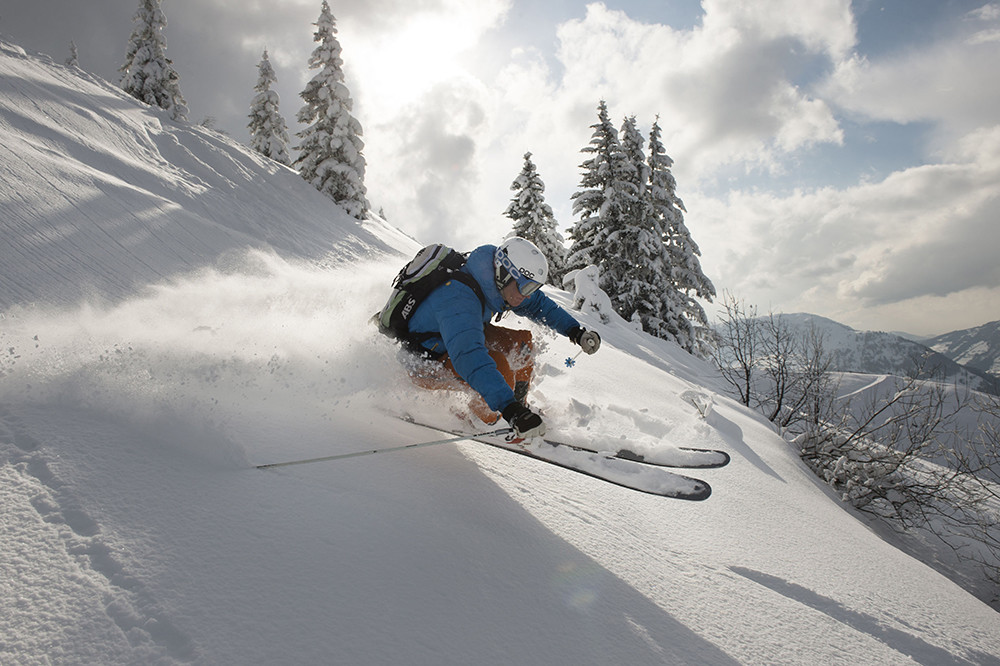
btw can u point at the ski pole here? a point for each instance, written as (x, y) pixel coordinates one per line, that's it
(570, 362)
(368, 452)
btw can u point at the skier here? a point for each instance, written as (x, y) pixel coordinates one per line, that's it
(461, 348)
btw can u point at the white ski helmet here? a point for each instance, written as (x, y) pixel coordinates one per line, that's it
(520, 260)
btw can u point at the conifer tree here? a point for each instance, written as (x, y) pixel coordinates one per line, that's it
(597, 204)
(611, 232)
(148, 75)
(268, 132)
(636, 272)
(534, 220)
(330, 157)
(632, 228)
(74, 59)
(684, 318)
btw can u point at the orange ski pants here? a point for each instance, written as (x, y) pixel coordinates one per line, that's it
(510, 349)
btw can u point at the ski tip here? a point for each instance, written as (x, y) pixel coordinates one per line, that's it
(723, 457)
(699, 493)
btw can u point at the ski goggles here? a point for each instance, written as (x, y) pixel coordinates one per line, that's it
(525, 285)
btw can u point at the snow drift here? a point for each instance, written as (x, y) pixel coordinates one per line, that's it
(176, 309)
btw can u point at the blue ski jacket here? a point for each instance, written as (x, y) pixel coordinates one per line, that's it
(455, 313)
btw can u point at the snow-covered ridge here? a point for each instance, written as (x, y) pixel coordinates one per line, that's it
(977, 347)
(228, 328)
(877, 353)
(93, 179)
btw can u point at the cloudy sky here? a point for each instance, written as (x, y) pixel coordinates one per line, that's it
(834, 157)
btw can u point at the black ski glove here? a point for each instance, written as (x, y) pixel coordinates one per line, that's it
(525, 422)
(589, 341)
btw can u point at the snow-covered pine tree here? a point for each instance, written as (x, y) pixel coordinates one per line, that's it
(330, 157)
(148, 75)
(268, 132)
(597, 205)
(534, 220)
(636, 274)
(607, 233)
(684, 317)
(74, 59)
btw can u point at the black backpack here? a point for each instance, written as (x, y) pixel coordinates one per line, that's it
(429, 269)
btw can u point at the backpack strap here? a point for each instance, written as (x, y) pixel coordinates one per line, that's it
(413, 342)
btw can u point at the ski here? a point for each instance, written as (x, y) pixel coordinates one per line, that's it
(684, 456)
(631, 474)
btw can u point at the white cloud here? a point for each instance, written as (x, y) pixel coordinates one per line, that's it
(988, 12)
(922, 240)
(722, 90)
(822, 25)
(948, 82)
(425, 162)
(985, 36)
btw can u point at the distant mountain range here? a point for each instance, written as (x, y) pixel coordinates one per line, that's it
(977, 348)
(970, 357)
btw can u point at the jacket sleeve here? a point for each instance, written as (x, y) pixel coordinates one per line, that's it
(544, 310)
(459, 315)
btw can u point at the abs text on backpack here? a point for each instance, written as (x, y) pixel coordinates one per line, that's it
(429, 269)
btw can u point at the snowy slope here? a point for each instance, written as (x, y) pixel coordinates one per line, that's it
(135, 529)
(977, 347)
(102, 196)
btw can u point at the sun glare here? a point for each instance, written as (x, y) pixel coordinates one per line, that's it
(400, 65)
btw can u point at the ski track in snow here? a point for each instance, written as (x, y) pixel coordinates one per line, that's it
(864, 389)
